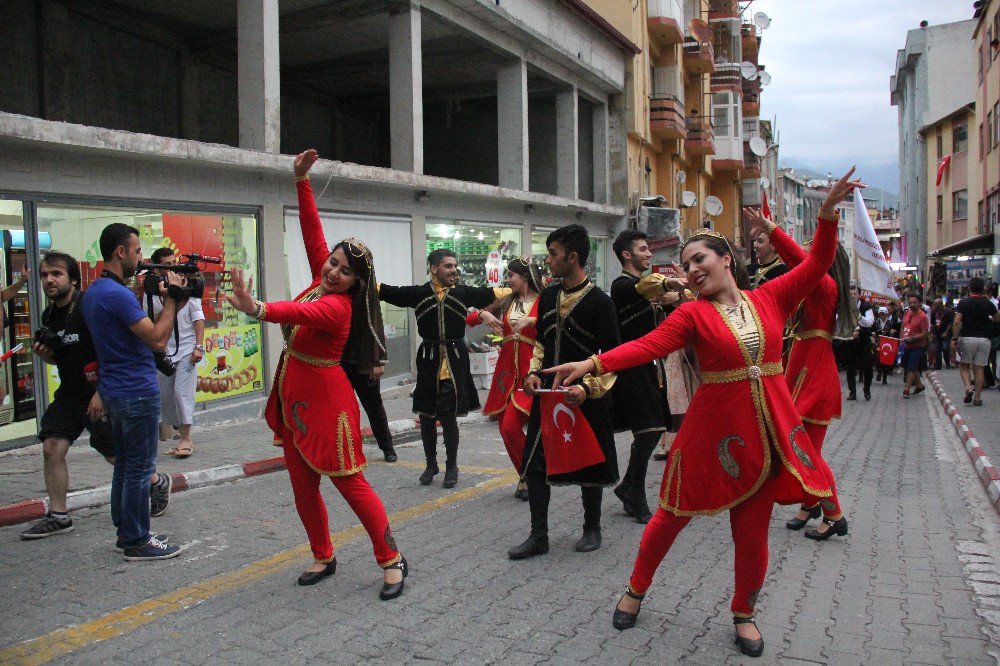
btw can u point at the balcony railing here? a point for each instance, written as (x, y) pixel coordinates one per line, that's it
(751, 103)
(699, 57)
(666, 21)
(723, 8)
(700, 138)
(666, 117)
(727, 77)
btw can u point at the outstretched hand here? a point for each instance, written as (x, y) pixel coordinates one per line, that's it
(842, 189)
(242, 296)
(755, 218)
(567, 373)
(304, 161)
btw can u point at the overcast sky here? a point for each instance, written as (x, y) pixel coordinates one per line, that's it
(830, 63)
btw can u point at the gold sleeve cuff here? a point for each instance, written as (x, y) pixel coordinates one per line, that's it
(299, 179)
(598, 386)
(832, 218)
(598, 366)
(537, 356)
(500, 293)
(651, 286)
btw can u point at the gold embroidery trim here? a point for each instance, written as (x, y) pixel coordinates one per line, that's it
(309, 359)
(799, 381)
(814, 333)
(740, 374)
(598, 366)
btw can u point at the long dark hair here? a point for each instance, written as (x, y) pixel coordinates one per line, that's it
(847, 309)
(720, 245)
(365, 346)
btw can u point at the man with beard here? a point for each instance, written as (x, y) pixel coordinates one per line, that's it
(640, 401)
(445, 388)
(76, 404)
(128, 385)
(575, 321)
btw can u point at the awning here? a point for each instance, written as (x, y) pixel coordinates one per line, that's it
(982, 244)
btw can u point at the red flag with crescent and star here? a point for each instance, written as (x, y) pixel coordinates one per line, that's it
(567, 439)
(887, 349)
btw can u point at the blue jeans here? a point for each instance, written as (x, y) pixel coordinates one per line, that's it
(134, 423)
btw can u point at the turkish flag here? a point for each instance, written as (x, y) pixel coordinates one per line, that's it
(942, 165)
(567, 439)
(765, 208)
(887, 349)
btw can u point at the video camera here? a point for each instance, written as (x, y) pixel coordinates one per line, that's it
(191, 266)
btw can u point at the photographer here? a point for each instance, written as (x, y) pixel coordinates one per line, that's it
(184, 351)
(128, 385)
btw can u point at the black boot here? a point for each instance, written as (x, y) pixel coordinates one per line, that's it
(429, 472)
(450, 476)
(389, 453)
(591, 540)
(533, 545)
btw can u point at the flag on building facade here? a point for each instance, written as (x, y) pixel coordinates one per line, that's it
(942, 166)
(874, 272)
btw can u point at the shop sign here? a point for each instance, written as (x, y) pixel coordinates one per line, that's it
(232, 363)
(494, 268)
(960, 272)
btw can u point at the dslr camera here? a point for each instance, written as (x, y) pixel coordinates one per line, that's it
(190, 267)
(48, 338)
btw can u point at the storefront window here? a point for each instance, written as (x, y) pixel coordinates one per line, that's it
(17, 381)
(472, 243)
(596, 262)
(233, 360)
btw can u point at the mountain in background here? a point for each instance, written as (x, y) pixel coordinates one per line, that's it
(882, 179)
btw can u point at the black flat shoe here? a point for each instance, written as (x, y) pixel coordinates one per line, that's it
(428, 474)
(838, 527)
(389, 453)
(313, 577)
(918, 390)
(659, 456)
(450, 476)
(852, 396)
(797, 523)
(622, 620)
(532, 546)
(393, 590)
(522, 492)
(751, 648)
(591, 540)
(868, 394)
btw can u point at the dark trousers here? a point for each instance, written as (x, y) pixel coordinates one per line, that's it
(634, 481)
(539, 494)
(864, 364)
(369, 392)
(449, 426)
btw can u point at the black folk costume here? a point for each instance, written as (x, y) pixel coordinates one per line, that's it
(639, 395)
(444, 388)
(572, 325)
(761, 273)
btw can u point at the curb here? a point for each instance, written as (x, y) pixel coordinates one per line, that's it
(34, 509)
(987, 473)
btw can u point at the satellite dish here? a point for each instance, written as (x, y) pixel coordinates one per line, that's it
(765, 183)
(748, 70)
(713, 206)
(762, 20)
(765, 78)
(758, 146)
(813, 184)
(688, 198)
(681, 177)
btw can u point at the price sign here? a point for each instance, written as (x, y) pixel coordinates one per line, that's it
(494, 269)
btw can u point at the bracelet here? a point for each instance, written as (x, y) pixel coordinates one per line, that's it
(199, 348)
(261, 310)
(299, 179)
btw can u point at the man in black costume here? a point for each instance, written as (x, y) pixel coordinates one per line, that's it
(860, 355)
(767, 264)
(444, 388)
(640, 400)
(575, 321)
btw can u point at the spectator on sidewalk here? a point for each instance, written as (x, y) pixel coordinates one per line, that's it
(185, 350)
(914, 338)
(973, 328)
(128, 386)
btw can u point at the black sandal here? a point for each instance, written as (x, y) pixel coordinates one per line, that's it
(749, 647)
(622, 620)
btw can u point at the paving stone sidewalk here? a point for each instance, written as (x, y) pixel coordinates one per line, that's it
(985, 420)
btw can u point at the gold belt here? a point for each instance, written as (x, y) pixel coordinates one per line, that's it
(518, 338)
(312, 360)
(814, 333)
(738, 375)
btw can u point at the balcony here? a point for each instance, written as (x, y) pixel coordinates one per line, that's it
(700, 140)
(723, 9)
(751, 102)
(727, 77)
(665, 21)
(699, 57)
(751, 163)
(666, 117)
(751, 42)
(728, 154)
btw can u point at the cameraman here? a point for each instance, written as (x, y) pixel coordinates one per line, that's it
(184, 350)
(128, 385)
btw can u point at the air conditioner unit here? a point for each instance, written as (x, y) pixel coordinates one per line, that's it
(662, 226)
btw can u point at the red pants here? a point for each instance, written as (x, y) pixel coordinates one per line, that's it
(512, 422)
(749, 523)
(831, 504)
(359, 495)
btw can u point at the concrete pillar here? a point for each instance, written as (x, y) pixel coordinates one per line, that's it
(406, 97)
(418, 241)
(512, 125)
(274, 281)
(259, 76)
(567, 149)
(602, 180)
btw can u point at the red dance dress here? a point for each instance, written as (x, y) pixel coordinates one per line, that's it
(506, 398)
(312, 409)
(811, 373)
(742, 446)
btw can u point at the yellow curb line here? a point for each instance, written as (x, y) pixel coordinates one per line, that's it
(64, 641)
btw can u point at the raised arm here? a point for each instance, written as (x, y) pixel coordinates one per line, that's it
(312, 228)
(789, 251)
(327, 313)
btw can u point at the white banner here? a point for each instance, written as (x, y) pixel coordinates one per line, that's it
(874, 272)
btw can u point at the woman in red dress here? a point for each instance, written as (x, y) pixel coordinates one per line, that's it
(517, 326)
(811, 374)
(312, 409)
(758, 456)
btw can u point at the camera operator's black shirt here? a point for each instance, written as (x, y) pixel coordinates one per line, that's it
(75, 352)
